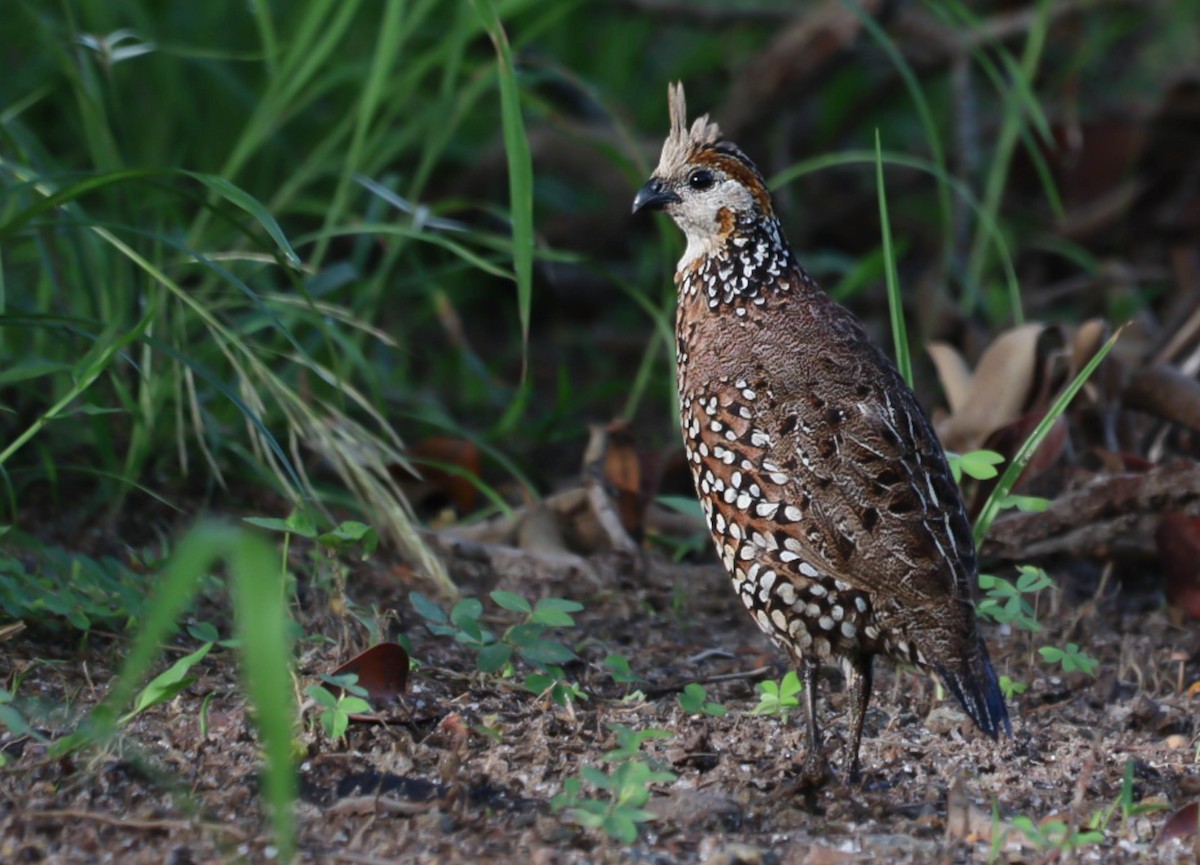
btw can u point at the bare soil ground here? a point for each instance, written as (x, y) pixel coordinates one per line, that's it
(432, 786)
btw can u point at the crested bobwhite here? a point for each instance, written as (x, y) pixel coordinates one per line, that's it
(826, 491)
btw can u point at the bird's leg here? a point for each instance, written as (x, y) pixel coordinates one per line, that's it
(859, 682)
(812, 773)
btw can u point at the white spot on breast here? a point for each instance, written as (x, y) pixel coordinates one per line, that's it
(826, 623)
(766, 509)
(779, 619)
(848, 630)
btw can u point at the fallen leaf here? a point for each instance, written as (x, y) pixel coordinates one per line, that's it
(1182, 824)
(997, 393)
(382, 672)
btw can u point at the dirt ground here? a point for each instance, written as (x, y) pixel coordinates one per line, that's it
(465, 770)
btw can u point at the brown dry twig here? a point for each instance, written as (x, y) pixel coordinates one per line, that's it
(1111, 514)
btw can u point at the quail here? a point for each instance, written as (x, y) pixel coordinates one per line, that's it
(825, 488)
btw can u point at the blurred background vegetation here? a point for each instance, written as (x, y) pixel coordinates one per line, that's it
(279, 248)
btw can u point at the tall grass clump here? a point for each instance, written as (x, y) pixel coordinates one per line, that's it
(223, 233)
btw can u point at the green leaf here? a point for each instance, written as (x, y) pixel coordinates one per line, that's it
(511, 601)
(546, 652)
(354, 705)
(552, 618)
(426, 608)
(595, 777)
(168, 683)
(493, 657)
(322, 696)
(622, 673)
(467, 612)
(247, 202)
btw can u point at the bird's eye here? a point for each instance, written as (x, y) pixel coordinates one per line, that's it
(701, 179)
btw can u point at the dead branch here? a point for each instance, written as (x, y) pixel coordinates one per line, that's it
(1111, 514)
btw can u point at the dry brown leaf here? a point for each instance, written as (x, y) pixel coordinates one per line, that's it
(996, 395)
(382, 672)
(1184, 823)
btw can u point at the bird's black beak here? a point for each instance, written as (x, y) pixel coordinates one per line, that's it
(655, 195)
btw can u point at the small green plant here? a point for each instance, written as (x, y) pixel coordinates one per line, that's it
(621, 672)
(1011, 687)
(346, 536)
(1054, 834)
(630, 741)
(694, 700)
(67, 587)
(1005, 601)
(336, 709)
(778, 698)
(526, 639)
(163, 687)
(12, 720)
(1071, 658)
(553, 680)
(1124, 803)
(617, 809)
(980, 465)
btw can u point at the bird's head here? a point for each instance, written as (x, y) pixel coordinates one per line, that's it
(706, 184)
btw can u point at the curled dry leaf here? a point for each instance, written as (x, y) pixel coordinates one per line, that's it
(382, 672)
(1184, 823)
(998, 392)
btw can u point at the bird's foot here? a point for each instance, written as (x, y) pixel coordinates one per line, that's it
(813, 775)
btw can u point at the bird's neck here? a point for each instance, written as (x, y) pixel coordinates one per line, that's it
(739, 266)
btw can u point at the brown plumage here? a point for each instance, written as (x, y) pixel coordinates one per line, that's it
(826, 490)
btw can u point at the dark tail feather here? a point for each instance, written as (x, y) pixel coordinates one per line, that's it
(977, 690)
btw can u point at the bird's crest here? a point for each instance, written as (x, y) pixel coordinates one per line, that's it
(683, 143)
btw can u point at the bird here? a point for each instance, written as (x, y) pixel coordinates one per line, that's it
(825, 488)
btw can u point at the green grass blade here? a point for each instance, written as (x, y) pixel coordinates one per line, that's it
(913, 85)
(520, 169)
(895, 302)
(1022, 457)
(1015, 118)
(987, 221)
(262, 620)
